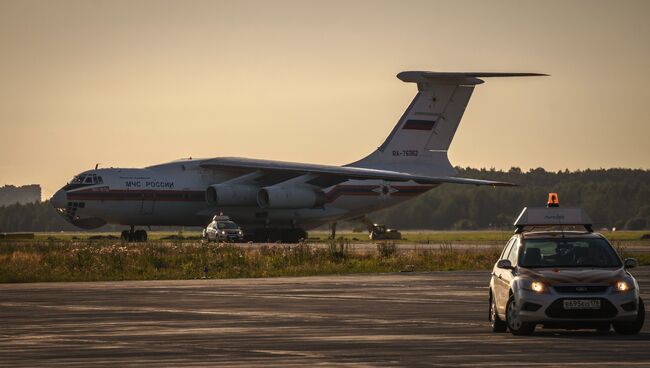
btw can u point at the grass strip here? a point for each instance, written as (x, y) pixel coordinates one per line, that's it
(45, 261)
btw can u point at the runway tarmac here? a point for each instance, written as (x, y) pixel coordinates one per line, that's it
(408, 319)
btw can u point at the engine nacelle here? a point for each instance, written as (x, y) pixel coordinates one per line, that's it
(290, 197)
(231, 195)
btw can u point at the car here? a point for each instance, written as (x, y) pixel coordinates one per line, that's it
(222, 229)
(552, 275)
(380, 232)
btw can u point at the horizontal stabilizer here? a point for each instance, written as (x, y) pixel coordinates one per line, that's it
(458, 77)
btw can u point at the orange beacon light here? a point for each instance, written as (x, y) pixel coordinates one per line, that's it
(553, 200)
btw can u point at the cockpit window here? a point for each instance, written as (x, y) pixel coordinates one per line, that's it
(87, 179)
(78, 179)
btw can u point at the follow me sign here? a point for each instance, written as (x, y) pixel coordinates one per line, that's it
(149, 184)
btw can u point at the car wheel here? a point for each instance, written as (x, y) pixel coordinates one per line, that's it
(497, 324)
(632, 328)
(515, 324)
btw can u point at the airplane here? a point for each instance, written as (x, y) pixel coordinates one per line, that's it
(280, 201)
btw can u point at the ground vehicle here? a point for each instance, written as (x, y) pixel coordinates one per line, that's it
(222, 229)
(562, 279)
(380, 232)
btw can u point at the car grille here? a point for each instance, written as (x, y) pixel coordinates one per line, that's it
(577, 289)
(556, 310)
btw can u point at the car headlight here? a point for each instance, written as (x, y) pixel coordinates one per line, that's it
(623, 286)
(223, 232)
(536, 286)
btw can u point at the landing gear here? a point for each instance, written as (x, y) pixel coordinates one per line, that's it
(279, 235)
(134, 235)
(333, 228)
(293, 235)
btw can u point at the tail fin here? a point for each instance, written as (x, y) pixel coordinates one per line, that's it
(419, 142)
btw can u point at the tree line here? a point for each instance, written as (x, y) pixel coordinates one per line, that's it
(613, 198)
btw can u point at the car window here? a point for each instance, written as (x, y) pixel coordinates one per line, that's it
(512, 255)
(227, 225)
(506, 250)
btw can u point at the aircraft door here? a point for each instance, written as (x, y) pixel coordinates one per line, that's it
(148, 203)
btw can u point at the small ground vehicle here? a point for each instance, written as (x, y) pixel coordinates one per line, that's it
(221, 229)
(562, 279)
(380, 232)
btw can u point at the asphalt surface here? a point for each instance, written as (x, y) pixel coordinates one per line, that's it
(409, 319)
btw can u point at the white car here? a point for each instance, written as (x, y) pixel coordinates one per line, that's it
(221, 229)
(562, 279)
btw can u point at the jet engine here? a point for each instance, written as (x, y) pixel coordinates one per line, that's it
(277, 196)
(231, 195)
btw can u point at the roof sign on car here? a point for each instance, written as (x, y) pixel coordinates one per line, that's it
(552, 215)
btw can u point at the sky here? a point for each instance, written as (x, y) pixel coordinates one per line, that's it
(136, 83)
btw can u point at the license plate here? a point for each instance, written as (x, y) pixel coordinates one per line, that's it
(581, 304)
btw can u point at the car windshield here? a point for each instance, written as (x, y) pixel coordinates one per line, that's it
(227, 225)
(566, 252)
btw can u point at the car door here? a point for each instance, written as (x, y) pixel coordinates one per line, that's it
(500, 287)
(212, 234)
(508, 275)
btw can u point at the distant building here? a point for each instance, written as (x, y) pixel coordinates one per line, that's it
(10, 194)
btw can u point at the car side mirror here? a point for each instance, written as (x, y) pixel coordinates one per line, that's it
(630, 263)
(505, 264)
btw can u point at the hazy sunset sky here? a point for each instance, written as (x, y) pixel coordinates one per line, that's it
(134, 83)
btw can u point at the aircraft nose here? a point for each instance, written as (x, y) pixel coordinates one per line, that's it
(59, 199)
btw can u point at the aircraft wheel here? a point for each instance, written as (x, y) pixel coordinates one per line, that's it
(261, 236)
(302, 234)
(292, 236)
(136, 236)
(274, 235)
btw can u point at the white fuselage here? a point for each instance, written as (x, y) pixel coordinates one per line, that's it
(174, 194)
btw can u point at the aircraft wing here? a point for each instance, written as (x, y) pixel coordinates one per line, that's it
(327, 175)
